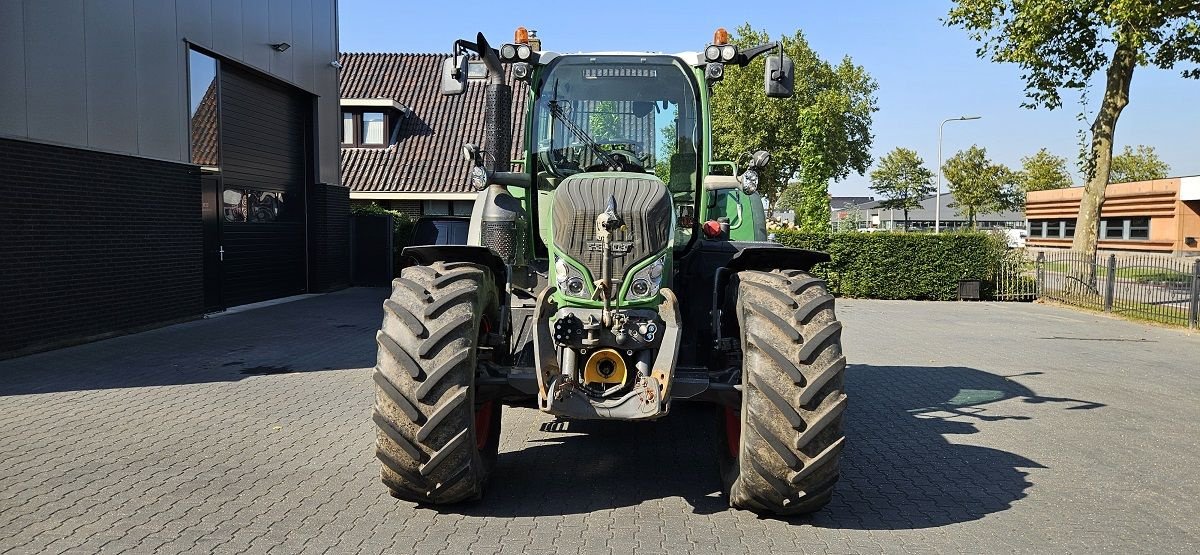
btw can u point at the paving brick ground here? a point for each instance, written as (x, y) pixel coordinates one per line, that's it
(973, 428)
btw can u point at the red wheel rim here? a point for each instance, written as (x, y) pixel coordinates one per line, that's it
(733, 431)
(483, 414)
(483, 425)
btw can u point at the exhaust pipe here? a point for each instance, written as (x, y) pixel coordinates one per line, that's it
(497, 118)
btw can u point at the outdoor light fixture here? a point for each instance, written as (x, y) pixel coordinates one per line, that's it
(281, 46)
(937, 203)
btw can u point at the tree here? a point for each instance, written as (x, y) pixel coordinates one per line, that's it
(903, 180)
(1062, 44)
(821, 134)
(1044, 171)
(1142, 165)
(979, 186)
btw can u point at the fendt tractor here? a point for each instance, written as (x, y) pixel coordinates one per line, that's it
(620, 271)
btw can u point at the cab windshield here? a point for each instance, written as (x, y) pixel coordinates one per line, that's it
(616, 113)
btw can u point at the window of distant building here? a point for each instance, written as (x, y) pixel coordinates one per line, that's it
(1111, 229)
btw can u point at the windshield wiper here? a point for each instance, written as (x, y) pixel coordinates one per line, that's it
(557, 112)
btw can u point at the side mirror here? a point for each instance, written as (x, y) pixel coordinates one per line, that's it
(779, 78)
(454, 75)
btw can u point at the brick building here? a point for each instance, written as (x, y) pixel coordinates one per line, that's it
(1161, 216)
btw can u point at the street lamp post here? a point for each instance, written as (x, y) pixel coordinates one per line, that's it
(937, 202)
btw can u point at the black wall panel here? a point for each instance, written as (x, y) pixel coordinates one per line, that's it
(264, 141)
(93, 243)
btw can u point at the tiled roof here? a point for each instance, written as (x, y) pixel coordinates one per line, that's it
(204, 128)
(425, 157)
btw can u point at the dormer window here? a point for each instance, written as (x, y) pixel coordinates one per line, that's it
(373, 125)
(370, 122)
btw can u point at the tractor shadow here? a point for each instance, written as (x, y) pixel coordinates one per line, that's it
(899, 470)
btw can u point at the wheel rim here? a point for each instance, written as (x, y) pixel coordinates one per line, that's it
(733, 431)
(483, 425)
(483, 414)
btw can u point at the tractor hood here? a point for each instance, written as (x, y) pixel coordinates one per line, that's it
(637, 211)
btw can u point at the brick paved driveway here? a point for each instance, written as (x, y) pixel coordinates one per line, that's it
(973, 428)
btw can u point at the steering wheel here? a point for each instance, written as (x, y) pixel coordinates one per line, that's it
(628, 158)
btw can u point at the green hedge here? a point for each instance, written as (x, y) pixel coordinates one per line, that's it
(901, 265)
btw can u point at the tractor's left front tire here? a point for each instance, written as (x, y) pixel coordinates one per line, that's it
(435, 443)
(780, 452)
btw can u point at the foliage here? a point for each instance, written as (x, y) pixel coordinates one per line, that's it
(662, 166)
(979, 186)
(1044, 171)
(1143, 165)
(903, 180)
(901, 265)
(822, 133)
(1063, 44)
(603, 121)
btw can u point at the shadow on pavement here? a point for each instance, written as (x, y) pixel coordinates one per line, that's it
(327, 332)
(899, 470)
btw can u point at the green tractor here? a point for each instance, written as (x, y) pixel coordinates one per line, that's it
(621, 271)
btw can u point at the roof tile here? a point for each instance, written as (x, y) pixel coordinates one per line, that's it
(425, 158)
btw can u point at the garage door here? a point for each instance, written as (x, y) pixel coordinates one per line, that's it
(264, 167)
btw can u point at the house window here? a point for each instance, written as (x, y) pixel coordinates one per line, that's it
(372, 128)
(1068, 229)
(347, 128)
(447, 207)
(365, 129)
(436, 208)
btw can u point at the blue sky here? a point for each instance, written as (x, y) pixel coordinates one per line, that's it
(926, 72)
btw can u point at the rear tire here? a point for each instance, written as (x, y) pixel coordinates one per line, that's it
(436, 445)
(780, 453)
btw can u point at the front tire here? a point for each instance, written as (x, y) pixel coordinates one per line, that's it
(436, 445)
(780, 453)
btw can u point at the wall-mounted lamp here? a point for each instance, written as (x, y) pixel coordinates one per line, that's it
(281, 47)
(335, 64)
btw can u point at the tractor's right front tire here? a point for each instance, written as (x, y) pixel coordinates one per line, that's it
(435, 443)
(780, 452)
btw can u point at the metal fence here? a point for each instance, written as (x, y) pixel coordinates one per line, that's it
(1147, 287)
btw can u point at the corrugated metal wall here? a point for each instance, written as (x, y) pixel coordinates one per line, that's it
(112, 74)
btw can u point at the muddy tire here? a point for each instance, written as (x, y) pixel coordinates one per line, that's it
(780, 453)
(436, 444)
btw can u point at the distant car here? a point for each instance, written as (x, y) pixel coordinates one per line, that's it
(440, 230)
(871, 230)
(1015, 238)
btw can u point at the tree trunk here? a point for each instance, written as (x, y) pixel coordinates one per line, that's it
(1116, 97)
(906, 219)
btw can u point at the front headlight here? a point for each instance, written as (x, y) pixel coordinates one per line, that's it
(647, 281)
(570, 280)
(750, 182)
